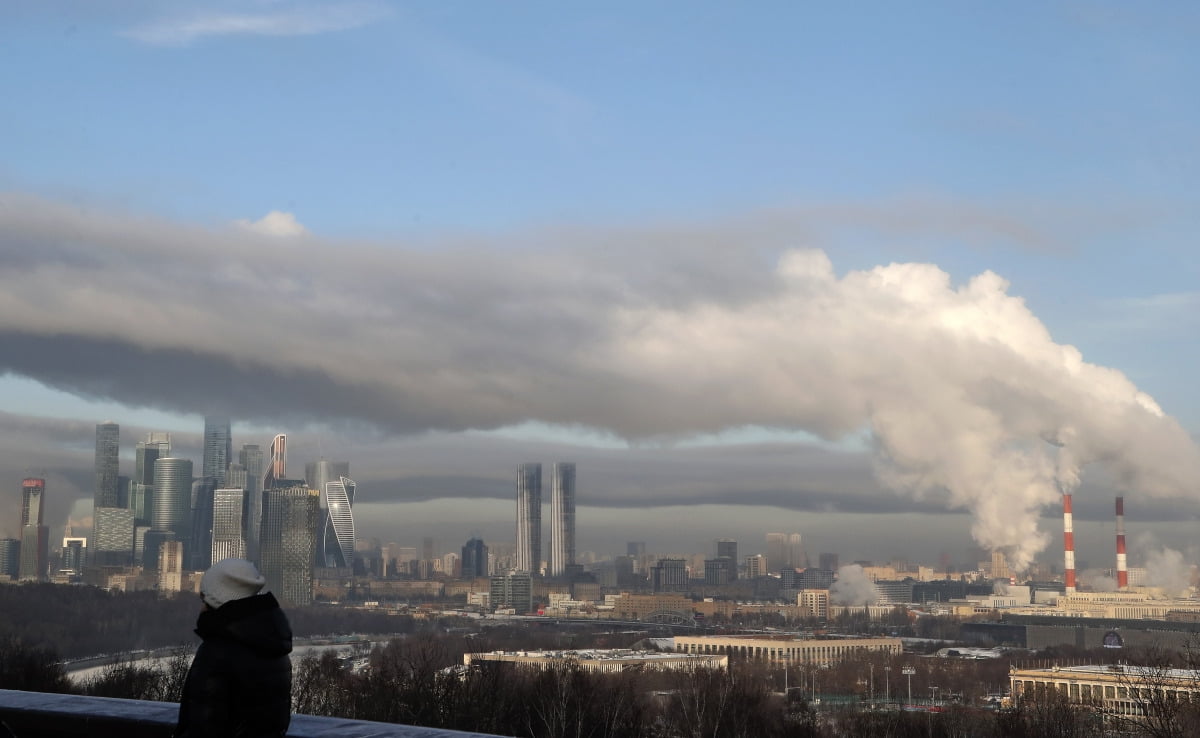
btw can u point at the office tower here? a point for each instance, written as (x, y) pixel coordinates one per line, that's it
(756, 566)
(251, 457)
(635, 549)
(107, 450)
(475, 558)
(830, 561)
(727, 549)
(797, 559)
(669, 575)
(529, 518)
(513, 591)
(228, 539)
(139, 544)
(289, 539)
(112, 536)
(277, 467)
(10, 557)
(35, 543)
(170, 568)
(235, 476)
(338, 535)
(199, 549)
(719, 571)
(172, 505)
(74, 554)
(320, 473)
(218, 448)
(562, 519)
(141, 495)
(451, 565)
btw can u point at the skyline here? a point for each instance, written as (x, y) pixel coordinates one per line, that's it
(809, 261)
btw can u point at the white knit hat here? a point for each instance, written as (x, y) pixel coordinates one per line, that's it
(230, 579)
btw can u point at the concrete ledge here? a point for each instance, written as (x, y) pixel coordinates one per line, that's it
(35, 714)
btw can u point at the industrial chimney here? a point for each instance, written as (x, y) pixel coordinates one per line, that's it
(1122, 572)
(1068, 546)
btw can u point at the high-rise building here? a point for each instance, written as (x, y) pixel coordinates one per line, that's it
(199, 551)
(669, 575)
(785, 552)
(529, 518)
(756, 566)
(719, 571)
(112, 537)
(320, 473)
(35, 543)
(289, 539)
(172, 495)
(277, 468)
(562, 519)
(10, 557)
(338, 535)
(797, 559)
(727, 549)
(513, 590)
(251, 457)
(228, 539)
(170, 568)
(107, 454)
(475, 558)
(141, 495)
(218, 448)
(635, 549)
(74, 554)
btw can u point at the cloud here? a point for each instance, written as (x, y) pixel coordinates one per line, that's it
(274, 223)
(651, 335)
(283, 19)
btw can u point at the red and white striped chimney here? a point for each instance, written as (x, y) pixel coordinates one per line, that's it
(1122, 572)
(1068, 545)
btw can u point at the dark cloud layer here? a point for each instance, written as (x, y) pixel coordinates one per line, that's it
(651, 335)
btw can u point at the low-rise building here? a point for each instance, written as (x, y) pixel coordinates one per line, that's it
(602, 660)
(1115, 689)
(786, 648)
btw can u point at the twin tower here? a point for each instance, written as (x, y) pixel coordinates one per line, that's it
(562, 519)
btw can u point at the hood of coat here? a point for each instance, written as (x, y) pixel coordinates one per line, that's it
(256, 622)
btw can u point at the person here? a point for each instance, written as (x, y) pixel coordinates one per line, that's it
(240, 681)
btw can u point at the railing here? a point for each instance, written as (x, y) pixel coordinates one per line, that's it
(30, 714)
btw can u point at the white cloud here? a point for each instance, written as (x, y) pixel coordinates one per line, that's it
(274, 223)
(303, 19)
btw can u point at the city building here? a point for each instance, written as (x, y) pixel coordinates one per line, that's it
(172, 495)
(626, 606)
(529, 518)
(199, 549)
(562, 519)
(218, 449)
(512, 591)
(141, 495)
(107, 453)
(112, 536)
(170, 568)
(277, 466)
(788, 648)
(601, 660)
(10, 557)
(228, 537)
(338, 534)
(74, 554)
(320, 473)
(251, 458)
(828, 561)
(635, 549)
(475, 558)
(289, 539)
(719, 571)
(727, 548)
(669, 575)
(35, 536)
(816, 600)
(1114, 689)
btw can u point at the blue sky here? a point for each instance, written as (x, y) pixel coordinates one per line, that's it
(1052, 143)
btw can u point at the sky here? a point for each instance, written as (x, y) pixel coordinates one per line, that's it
(890, 276)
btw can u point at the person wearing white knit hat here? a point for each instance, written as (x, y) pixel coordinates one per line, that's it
(240, 682)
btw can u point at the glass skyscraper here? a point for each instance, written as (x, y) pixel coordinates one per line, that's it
(218, 448)
(172, 495)
(251, 458)
(338, 536)
(562, 519)
(35, 543)
(529, 518)
(288, 539)
(228, 539)
(141, 494)
(107, 452)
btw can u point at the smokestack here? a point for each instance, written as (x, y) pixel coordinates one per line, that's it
(1122, 572)
(1068, 546)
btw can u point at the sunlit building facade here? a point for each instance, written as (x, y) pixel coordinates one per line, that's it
(529, 518)
(228, 539)
(218, 448)
(338, 536)
(289, 539)
(562, 519)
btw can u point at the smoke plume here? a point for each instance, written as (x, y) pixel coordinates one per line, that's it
(852, 587)
(645, 335)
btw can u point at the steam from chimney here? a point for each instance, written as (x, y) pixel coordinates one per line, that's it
(1122, 571)
(1068, 545)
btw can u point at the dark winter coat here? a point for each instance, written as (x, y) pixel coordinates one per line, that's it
(240, 682)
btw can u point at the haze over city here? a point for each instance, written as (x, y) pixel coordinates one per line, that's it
(892, 283)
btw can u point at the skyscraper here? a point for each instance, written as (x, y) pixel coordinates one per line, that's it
(172, 505)
(562, 519)
(10, 557)
(74, 554)
(228, 538)
(289, 539)
(107, 452)
(320, 473)
(727, 549)
(338, 535)
(529, 518)
(112, 539)
(141, 496)
(277, 468)
(475, 558)
(218, 448)
(35, 543)
(251, 457)
(199, 549)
